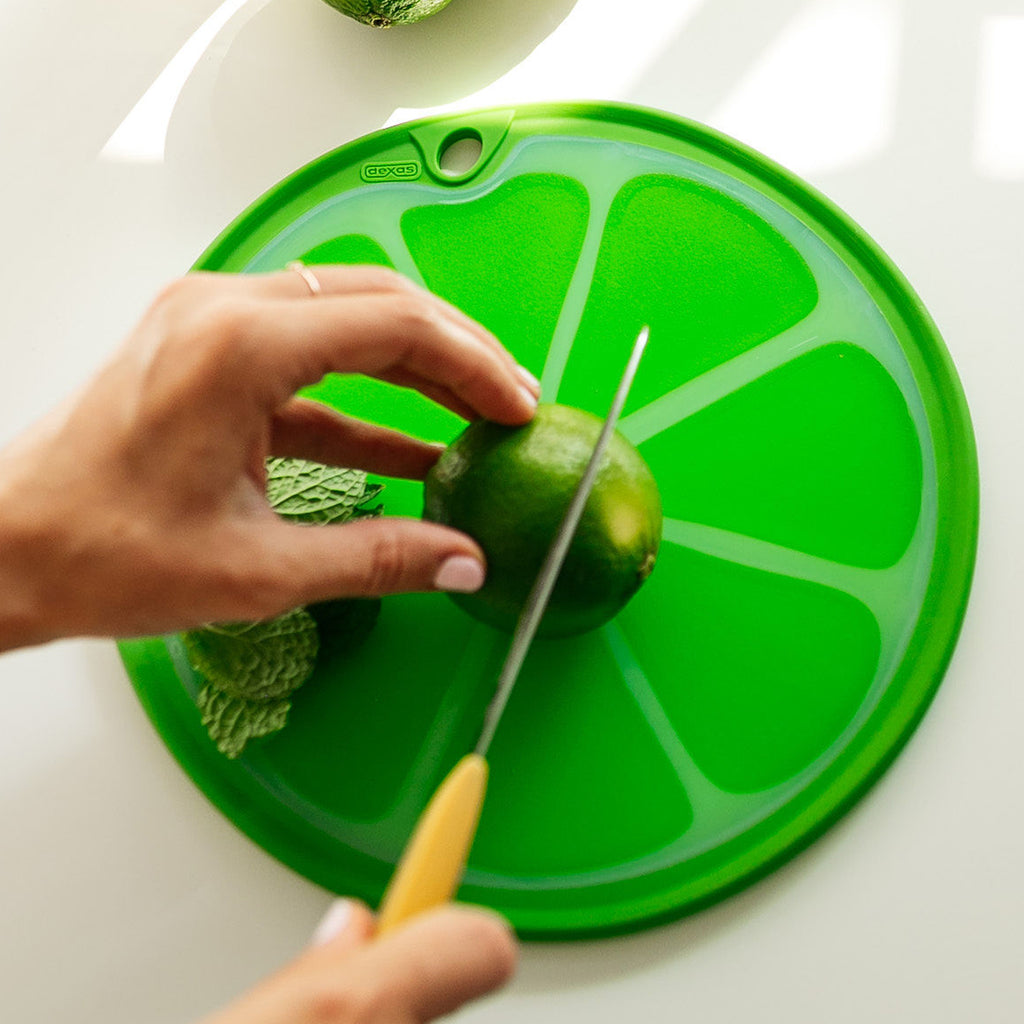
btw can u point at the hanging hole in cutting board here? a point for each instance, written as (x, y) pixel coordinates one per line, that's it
(460, 152)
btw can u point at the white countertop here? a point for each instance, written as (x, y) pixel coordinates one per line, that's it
(132, 132)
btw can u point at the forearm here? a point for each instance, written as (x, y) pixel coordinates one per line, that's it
(23, 555)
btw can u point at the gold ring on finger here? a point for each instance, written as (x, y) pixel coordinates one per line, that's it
(307, 275)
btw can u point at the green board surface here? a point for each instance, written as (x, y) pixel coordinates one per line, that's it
(815, 457)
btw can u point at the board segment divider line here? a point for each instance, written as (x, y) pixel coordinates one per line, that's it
(573, 305)
(372, 836)
(392, 241)
(878, 590)
(694, 781)
(717, 813)
(872, 587)
(715, 384)
(479, 648)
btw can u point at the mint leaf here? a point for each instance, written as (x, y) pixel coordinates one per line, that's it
(250, 668)
(308, 492)
(233, 721)
(371, 492)
(256, 660)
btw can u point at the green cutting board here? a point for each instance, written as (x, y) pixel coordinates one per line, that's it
(817, 467)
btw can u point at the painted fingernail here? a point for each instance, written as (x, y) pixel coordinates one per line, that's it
(333, 923)
(528, 378)
(528, 396)
(460, 574)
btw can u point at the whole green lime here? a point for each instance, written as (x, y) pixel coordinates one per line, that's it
(509, 488)
(384, 13)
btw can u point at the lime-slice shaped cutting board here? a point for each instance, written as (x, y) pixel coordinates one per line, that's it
(815, 457)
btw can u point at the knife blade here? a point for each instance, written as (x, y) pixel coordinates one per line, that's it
(431, 867)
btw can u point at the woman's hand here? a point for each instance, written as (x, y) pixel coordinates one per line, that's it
(138, 507)
(428, 968)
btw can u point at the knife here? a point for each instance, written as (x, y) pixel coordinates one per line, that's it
(432, 865)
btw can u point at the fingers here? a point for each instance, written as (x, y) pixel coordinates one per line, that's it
(410, 338)
(309, 430)
(364, 320)
(437, 393)
(346, 925)
(369, 558)
(352, 280)
(431, 967)
(440, 961)
(333, 280)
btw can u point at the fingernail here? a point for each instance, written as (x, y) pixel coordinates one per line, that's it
(529, 397)
(461, 574)
(528, 378)
(333, 923)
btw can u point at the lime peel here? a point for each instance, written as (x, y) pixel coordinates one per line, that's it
(509, 488)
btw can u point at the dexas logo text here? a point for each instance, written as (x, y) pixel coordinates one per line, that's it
(402, 170)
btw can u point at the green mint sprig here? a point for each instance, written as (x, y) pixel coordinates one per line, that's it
(256, 660)
(308, 492)
(251, 669)
(233, 721)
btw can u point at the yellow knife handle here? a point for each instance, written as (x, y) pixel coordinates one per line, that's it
(432, 865)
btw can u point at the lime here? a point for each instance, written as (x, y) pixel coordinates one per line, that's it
(384, 13)
(509, 488)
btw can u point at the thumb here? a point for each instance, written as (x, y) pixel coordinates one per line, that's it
(428, 968)
(437, 962)
(373, 557)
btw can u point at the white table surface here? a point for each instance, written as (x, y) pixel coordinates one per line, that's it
(131, 132)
